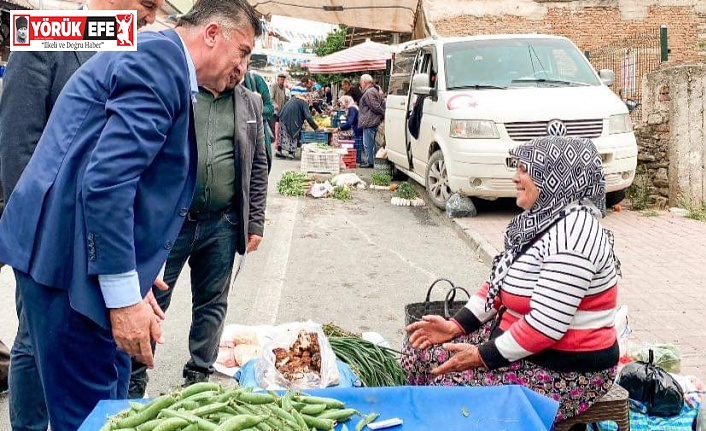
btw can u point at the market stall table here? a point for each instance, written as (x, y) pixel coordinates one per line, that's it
(423, 408)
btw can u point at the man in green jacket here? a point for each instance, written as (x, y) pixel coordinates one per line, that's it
(257, 84)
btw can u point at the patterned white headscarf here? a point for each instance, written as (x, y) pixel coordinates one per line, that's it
(569, 175)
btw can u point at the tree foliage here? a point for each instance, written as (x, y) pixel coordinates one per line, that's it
(335, 41)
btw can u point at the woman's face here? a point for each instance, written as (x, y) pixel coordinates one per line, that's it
(527, 191)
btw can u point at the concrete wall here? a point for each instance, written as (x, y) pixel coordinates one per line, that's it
(591, 24)
(672, 139)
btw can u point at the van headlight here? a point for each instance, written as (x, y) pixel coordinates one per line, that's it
(473, 129)
(619, 123)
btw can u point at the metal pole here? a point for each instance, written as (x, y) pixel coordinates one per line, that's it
(663, 45)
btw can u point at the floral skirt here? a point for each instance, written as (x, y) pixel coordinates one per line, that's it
(287, 143)
(576, 392)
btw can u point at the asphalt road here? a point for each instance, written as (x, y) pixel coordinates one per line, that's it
(354, 263)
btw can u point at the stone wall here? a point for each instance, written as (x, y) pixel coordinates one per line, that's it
(672, 138)
(591, 24)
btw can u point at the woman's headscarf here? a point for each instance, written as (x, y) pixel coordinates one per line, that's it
(347, 102)
(569, 175)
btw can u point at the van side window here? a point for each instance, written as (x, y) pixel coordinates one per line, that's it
(401, 76)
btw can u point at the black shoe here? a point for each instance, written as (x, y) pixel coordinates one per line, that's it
(280, 155)
(365, 165)
(4, 386)
(136, 390)
(193, 376)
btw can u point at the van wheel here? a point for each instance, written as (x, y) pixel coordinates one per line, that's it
(437, 180)
(614, 198)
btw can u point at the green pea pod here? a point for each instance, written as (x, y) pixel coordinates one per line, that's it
(300, 420)
(136, 406)
(338, 415)
(171, 424)
(209, 408)
(366, 420)
(203, 424)
(330, 402)
(255, 398)
(240, 422)
(150, 412)
(324, 424)
(312, 409)
(192, 427)
(200, 387)
(149, 425)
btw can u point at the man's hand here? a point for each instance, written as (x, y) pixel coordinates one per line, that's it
(134, 327)
(466, 357)
(253, 242)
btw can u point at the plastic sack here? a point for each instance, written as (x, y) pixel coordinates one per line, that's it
(381, 154)
(666, 356)
(284, 336)
(460, 206)
(247, 376)
(653, 387)
(320, 190)
(348, 179)
(701, 419)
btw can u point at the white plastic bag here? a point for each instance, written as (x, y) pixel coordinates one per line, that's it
(320, 190)
(284, 336)
(348, 179)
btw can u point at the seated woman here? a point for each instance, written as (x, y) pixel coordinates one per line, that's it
(544, 320)
(350, 129)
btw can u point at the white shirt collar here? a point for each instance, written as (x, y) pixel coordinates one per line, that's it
(193, 82)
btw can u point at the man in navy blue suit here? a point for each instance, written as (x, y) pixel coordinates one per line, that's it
(32, 84)
(95, 213)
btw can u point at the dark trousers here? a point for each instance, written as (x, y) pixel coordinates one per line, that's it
(28, 410)
(209, 245)
(78, 362)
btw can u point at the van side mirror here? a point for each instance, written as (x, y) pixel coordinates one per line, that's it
(420, 84)
(607, 76)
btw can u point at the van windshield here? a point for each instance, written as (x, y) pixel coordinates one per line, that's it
(515, 63)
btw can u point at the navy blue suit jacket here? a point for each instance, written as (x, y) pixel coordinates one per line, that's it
(112, 176)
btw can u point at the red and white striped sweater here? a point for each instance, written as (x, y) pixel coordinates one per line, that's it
(557, 301)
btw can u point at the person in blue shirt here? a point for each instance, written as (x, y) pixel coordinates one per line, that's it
(350, 129)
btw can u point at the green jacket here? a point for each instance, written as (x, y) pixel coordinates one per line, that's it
(257, 84)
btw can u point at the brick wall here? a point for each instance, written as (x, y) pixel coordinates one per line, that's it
(590, 27)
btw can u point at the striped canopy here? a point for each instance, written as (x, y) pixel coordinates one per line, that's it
(366, 56)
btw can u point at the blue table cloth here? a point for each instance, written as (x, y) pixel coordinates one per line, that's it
(424, 408)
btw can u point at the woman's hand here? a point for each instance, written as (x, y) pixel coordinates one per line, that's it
(431, 330)
(467, 356)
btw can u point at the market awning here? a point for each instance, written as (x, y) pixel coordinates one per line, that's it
(366, 56)
(391, 15)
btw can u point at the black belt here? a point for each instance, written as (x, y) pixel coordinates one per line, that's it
(204, 215)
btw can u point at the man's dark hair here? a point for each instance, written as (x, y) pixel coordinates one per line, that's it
(305, 80)
(238, 12)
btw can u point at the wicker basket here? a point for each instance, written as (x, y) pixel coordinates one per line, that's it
(321, 162)
(446, 308)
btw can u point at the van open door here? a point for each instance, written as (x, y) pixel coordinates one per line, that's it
(397, 109)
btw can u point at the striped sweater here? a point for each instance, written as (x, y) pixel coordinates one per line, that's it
(557, 302)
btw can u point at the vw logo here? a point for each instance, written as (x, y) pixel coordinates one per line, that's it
(556, 128)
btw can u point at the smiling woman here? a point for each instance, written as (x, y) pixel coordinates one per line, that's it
(544, 319)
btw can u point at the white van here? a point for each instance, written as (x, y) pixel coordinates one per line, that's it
(483, 95)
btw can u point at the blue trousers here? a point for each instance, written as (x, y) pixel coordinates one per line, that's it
(210, 247)
(77, 361)
(369, 143)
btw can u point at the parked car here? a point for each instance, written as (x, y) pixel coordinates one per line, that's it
(483, 95)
